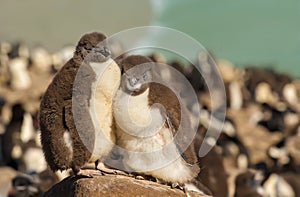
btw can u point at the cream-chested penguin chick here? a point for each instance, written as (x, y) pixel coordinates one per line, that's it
(76, 111)
(149, 134)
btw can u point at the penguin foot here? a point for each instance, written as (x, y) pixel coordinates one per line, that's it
(105, 170)
(119, 172)
(89, 173)
(170, 184)
(177, 185)
(115, 172)
(142, 177)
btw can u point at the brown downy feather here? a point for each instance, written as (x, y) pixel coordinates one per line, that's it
(163, 95)
(56, 116)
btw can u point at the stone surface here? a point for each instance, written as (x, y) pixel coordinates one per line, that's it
(111, 185)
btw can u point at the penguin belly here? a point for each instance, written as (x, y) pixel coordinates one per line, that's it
(103, 90)
(150, 150)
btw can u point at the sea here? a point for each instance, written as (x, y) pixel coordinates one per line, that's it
(263, 33)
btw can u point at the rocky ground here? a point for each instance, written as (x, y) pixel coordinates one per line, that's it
(257, 153)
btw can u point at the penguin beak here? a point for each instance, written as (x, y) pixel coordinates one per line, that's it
(134, 88)
(99, 54)
(102, 50)
(105, 52)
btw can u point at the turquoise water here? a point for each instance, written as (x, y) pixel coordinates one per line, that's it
(257, 32)
(56, 23)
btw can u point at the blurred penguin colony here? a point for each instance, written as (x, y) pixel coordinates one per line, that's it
(257, 153)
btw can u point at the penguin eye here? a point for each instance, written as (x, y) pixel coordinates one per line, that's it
(105, 51)
(145, 76)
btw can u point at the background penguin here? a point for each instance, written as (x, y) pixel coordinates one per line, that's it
(135, 98)
(282, 184)
(62, 145)
(248, 184)
(213, 173)
(25, 185)
(10, 138)
(255, 76)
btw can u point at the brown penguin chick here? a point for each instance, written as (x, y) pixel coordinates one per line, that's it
(71, 140)
(151, 136)
(292, 145)
(282, 184)
(47, 179)
(10, 139)
(294, 181)
(213, 173)
(248, 184)
(275, 81)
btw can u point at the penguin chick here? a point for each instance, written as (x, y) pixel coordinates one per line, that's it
(149, 134)
(25, 185)
(10, 139)
(248, 184)
(213, 173)
(75, 116)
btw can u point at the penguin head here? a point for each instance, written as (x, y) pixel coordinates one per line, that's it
(92, 47)
(137, 74)
(249, 179)
(136, 80)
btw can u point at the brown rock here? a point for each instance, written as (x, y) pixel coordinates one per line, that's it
(111, 185)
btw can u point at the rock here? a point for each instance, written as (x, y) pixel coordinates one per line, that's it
(111, 185)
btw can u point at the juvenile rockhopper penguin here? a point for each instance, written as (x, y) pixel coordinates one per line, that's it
(151, 136)
(75, 114)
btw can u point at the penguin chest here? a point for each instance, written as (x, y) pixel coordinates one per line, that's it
(157, 156)
(134, 115)
(103, 90)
